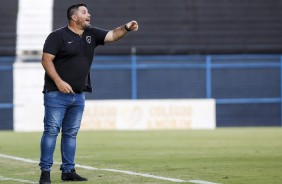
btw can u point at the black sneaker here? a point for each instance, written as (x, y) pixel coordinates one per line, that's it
(45, 177)
(72, 176)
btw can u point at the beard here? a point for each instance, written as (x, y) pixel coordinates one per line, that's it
(86, 26)
(83, 24)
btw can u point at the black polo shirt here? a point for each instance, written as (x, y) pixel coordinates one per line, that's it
(73, 56)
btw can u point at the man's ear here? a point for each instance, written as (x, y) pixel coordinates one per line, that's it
(74, 18)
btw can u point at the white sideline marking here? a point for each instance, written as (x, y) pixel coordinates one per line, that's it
(201, 182)
(19, 159)
(145, 175)
(18, 180)
(113, 170)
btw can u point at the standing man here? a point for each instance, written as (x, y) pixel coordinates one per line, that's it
(67, 57)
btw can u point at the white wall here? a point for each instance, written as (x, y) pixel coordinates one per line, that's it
(34, 23)
(149, 114)
(28, 97)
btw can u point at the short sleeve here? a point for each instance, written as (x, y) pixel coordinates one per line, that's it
(100, 35)
(52, 44)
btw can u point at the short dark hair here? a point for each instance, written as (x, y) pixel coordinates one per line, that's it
(74, 8)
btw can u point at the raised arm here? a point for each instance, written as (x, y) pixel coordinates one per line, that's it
(121, 31)
(48, 65)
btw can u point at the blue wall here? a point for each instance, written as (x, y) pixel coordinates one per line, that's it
(6, 93)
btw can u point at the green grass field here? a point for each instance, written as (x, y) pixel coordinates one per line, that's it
(225, 155)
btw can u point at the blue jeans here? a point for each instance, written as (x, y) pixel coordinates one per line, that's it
(62, 112)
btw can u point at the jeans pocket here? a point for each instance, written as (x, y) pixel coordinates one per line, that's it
(55, 99)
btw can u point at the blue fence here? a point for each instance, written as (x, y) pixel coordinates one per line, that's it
(209, 64)
(212, 68)
(6, 66)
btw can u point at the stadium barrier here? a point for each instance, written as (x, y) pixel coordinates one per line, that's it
(149, 114)
(28, 81)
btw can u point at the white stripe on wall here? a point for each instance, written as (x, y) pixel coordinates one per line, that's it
(34, 23)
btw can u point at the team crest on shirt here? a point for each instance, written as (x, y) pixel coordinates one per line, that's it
(88, 39)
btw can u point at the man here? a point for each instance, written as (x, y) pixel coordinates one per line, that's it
(67, 57)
